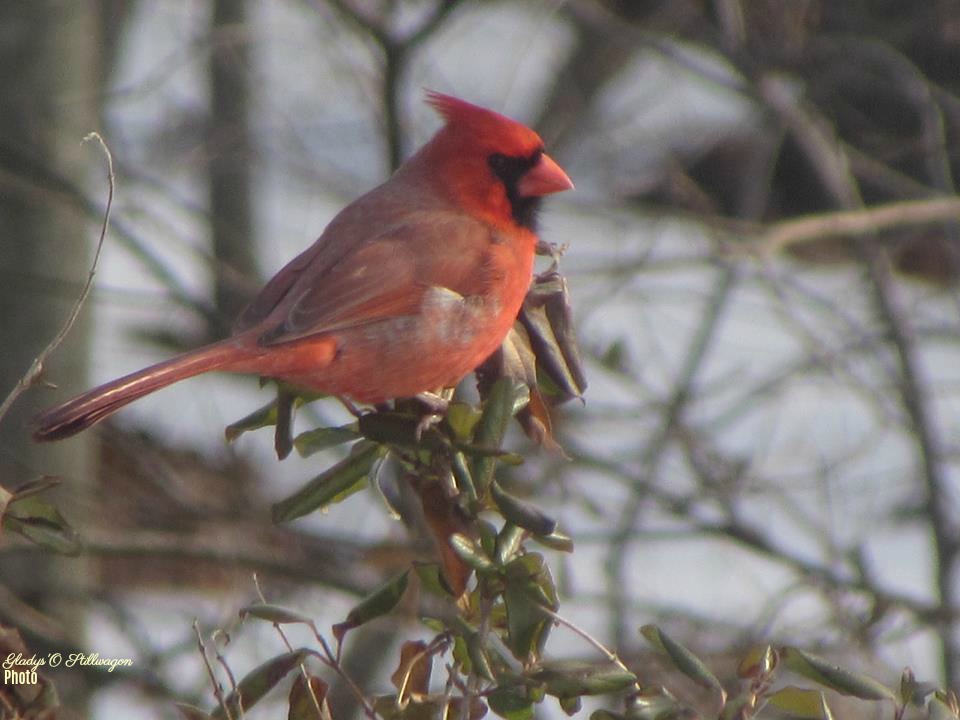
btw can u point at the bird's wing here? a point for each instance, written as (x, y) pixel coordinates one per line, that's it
(384, 277)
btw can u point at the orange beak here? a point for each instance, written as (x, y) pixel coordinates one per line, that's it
(544, 178)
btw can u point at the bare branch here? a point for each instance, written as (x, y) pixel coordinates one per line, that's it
(35, 372)
(849, 223)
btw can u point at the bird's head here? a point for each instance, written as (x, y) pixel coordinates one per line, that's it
(494, 166)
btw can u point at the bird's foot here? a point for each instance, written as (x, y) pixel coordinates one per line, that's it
(436, 406)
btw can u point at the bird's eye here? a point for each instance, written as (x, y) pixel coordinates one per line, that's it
(498, 162)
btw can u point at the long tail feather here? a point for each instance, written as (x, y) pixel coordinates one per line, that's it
(91, 407)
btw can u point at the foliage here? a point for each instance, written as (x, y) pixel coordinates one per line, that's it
(490, 603)
(779, 412)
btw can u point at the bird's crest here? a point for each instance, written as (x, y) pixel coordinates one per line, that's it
(483, 122)
(452, 108)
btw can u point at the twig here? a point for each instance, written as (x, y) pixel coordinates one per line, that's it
(651, 457)
(217, 690)
(859, 222)
(286, 641)
(36, 368)
(826, 154)
(607, 652)
(333, 663)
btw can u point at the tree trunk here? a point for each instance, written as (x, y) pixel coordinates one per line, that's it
(48, 52)
(228, 145)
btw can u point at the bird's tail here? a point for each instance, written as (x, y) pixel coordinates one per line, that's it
(91, 407)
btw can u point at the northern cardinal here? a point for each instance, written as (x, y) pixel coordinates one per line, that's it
(408, 289)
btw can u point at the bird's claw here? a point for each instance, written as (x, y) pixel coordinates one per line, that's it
(425, 423)
(436, 409)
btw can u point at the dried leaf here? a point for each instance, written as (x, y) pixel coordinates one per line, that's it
(259, 681)
(412, 676)
(759, 661)
(308, 699)
(445, 519)
(547, 317)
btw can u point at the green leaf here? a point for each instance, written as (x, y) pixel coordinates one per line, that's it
(331, 486)
(684, 660)
(656, 703)
(462, 419)
(532, 566)
(461, 654)
(527, 623)
(835, 677)
(479, 662)
(572, 678)
(379, 602)
(509, 543)
(41, 523)
(501, 404)
(431, 578)
(740, 706)
(274, 614)
(528, 595)
(471, 553)
(511, 703)
(520, 512)
(190, 712)
(261, 418)
(488, 537)
(398, 429)
(481, 451)
(282, 435)
(801, 703)
(571, 705)
(461, 473)
(605, 715)
(555, 541)
(259, 681)
(313, 441)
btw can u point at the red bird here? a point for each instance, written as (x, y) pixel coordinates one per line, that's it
(408, 289)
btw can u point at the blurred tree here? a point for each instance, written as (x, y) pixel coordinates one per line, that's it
(794, 420)
(49, 75)
(229, 153)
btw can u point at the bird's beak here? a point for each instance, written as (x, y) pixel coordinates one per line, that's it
(544, 178)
